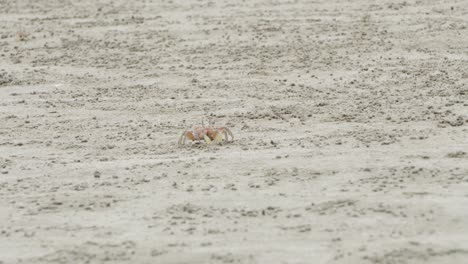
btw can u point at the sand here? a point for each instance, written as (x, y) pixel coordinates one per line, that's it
(350, 121)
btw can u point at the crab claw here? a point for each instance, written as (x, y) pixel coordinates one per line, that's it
(207, 139)
(219, 138)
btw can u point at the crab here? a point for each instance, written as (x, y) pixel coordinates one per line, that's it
(210, 134)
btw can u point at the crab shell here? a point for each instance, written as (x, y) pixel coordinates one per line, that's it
(208, 134)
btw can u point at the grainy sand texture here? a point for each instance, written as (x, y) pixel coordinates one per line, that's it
(350, 121)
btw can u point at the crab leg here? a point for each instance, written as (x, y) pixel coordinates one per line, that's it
(225, 136)
(225, 129)
(182, 138)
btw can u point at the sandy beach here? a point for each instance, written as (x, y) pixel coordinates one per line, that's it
(350, 123)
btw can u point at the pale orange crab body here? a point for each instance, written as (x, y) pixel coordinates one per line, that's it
(207, 134)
